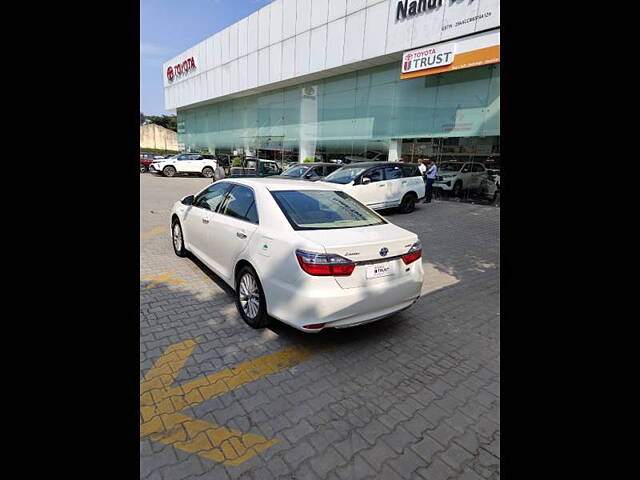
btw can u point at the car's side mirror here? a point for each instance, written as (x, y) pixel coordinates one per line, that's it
(366, 181)
(465, 170)
(188, 200)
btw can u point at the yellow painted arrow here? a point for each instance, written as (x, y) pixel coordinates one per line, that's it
(152, 233)
(160, 403)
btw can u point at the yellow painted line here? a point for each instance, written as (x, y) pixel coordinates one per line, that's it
(164, 277)
(152, 233)
(160, 403)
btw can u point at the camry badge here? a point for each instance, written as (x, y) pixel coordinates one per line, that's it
(384, 251)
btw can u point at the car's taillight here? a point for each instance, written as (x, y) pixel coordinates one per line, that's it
(414, 254)
(323, 265)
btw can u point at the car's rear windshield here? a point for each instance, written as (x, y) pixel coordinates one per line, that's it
(323, 210)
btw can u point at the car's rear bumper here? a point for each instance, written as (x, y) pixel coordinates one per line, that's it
(325, 302)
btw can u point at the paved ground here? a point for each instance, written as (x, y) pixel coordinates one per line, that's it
(413, 396)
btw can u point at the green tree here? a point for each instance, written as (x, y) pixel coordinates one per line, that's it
(141, 118)
(166, 121)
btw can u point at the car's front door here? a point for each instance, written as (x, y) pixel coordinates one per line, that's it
(479, 174)
(182, 163)
(372, 193)
(233, 225)
(466, 175)
(198, 221)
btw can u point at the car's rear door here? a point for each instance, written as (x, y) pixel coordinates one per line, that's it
(233, 226)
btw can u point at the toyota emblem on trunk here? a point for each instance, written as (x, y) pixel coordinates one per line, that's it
(384, 251)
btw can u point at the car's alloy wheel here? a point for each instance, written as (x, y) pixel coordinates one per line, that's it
(178, 239)
(207, 172)
(250, 299)
(143, 169)
(408, 204)
(457, 189)
(169, 171)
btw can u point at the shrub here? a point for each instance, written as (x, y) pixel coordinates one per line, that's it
(308, 160)
(237, 162)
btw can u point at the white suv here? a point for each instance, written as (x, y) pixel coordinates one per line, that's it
(381, 184)
(204, 165)
(458, 176)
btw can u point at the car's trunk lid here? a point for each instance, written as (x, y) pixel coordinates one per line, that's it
(368, 247)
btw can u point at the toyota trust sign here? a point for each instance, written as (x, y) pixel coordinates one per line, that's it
(181, 69)
(428, 57)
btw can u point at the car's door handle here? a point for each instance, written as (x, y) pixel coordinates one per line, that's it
(241, 235)
(204, 220)
(382, 185)
(404, 182)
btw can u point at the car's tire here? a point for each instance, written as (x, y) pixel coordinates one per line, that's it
(143, 168)
(250, 300)
(457, 189)
(207, 172)
(169, 171)
(408, 203)
(177, 239)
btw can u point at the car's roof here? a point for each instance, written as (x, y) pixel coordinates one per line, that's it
(312, 164)
(276, 183)
(377, 164)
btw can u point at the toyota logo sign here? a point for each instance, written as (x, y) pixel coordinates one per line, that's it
(181, 68)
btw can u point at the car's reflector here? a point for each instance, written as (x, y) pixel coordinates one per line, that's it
(414, 254)
(315, 326)
(323, 265)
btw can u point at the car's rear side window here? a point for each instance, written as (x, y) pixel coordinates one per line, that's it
(410, 171)
(392, 173)
(324, 210)
(240, 203)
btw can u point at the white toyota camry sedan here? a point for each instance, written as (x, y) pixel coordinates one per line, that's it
(306, 254)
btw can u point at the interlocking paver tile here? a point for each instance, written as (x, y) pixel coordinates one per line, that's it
(413, 396)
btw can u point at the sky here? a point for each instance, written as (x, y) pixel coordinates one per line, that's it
(168, 27)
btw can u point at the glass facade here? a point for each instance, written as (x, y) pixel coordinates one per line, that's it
(364, 113)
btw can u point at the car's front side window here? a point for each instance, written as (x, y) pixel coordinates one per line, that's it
(240, 203)
(212, 196)
(374, 175)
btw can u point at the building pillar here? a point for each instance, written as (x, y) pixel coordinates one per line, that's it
(395, 149)
(308, 123)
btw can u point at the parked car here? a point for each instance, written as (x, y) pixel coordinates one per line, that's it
(256, 167)
(145, 161)
(310, 171)
(381, 184)
(488, 189)
(457, 177)
(304, 253)
(185, 163)
(370, 156)
(494, 175)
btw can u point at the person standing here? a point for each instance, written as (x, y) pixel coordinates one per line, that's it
(423, 171)
(429, 179)
(422, 167)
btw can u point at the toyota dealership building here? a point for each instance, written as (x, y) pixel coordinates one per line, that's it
(326, 79)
